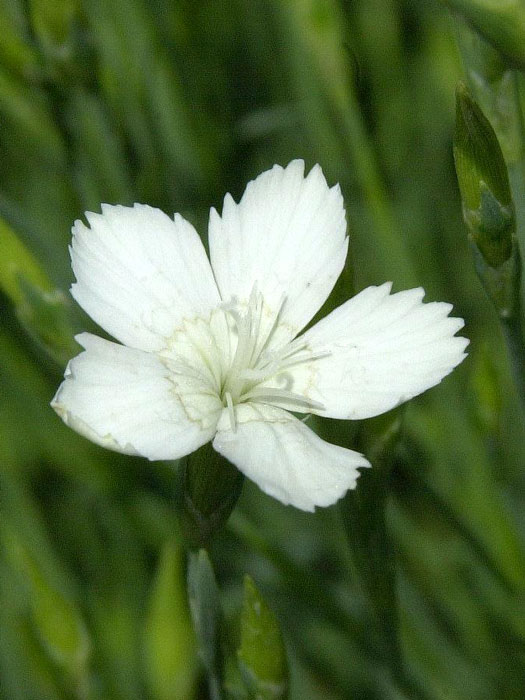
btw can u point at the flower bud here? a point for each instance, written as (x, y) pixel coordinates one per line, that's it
(209, 487)
(207, 617)
(488, 209)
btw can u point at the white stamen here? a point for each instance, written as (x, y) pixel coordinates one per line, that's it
(277, 317)
(272, 394)
(300, 360)
(249, 330)
(231, 411)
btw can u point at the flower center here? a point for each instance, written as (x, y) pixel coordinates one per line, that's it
(235, 357)
(255, 361)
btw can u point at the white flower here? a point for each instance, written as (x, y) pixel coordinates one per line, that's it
(213, 352)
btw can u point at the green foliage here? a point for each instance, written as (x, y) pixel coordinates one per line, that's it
(501, 23)
(206, 614)
(56, 619)
(169, 653)
(413, 586)
(261, 653)
(43, 311)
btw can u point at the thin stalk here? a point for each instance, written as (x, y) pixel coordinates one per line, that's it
(364, 518)
(512, 328)
(214, 688)
(207, 618)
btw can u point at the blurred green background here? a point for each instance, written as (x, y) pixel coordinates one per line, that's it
(173, 104)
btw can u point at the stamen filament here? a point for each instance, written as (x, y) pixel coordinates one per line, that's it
(254, 362)
(271, 394)
(273, 326)
(301, 360)
(231, 412)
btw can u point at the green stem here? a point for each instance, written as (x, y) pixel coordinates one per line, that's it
(517, 164)
(207, 618)
(364, 517)
(512, 328)
(520, 119)
(214, 688)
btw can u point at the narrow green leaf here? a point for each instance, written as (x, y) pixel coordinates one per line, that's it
(17, 261)
(56, 618)
(501, 22)
(169, 644)
(182, 148)
(206, 614)
(318, 27)
(16, 52)
(261, 654)
(486, 391)
(60, 625)
(42, 309)
(27, 111)
(101, 167)
(52, 23)
(234, 686)
(46, 317)
(363, 513)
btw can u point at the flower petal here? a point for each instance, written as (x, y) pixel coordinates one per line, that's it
(139, 273)
(285, 458)
(129, 401)
(381, 350)
(287, 236)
